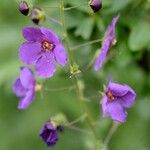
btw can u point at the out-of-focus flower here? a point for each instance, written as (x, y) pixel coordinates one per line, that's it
(24, 8)
(24, 87)
(42, 48)
(96, 5)
(116, 100)
(108, 42)
(37, 15)
(49, 133)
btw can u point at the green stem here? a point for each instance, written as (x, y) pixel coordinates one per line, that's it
(110, 134)
(65, 32)
(77, 129)
(79, 91)
(81, 118)
(73, 7)
(53, 20)
(68, 88)
(86, 44)
(85, 109)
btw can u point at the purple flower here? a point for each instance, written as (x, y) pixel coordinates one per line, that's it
(116, 100)
(96, 5)
(109, 41)
(49, 133)
(42, 48)
(24, 87)
(24, 8)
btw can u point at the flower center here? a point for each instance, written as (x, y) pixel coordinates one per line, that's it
(47, 46)
(110, 95)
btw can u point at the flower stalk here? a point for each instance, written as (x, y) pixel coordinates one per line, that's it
(66, 38)
(79, 91)
(111, 132)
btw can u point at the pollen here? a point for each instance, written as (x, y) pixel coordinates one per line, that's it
(110, 95)
(47, 46)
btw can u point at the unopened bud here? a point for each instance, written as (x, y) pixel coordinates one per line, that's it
(59, 119)
(96, 5)
(74, 69)
(24, 8)
(37, 15)
(38, 87)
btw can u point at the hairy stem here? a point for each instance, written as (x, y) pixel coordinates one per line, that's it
(86, 44)
(111, 132)
(65, 32)
(79, 91)
(73, 7)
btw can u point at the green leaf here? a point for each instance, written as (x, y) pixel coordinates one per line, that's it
(121, 4)
(140, 36)
(85, 28)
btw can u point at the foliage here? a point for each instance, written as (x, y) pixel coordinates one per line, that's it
(129, 63)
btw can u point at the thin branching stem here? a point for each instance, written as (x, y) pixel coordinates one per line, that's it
(53, 20)
(74, 7)
(65, 32)
(85, 44)
(68, 88)
(72, 127)
(111, 132)
(79, 91)
(81, 118)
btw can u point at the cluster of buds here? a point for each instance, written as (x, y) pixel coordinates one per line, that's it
(36, 14)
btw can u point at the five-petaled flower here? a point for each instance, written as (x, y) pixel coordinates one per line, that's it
(116, 100)
(25, 87)
(49, 133)
(108, 42)
(41, 48)
(96, 5)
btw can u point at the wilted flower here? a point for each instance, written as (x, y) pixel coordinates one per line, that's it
(42, 48)
(37, 15)
(96, 5)
(109, 41)
(24, 8)
(116, 100)
(49, 133)
(24, 87)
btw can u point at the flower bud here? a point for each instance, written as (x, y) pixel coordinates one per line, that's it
(37, 15)
(96, 5)
(24, 8)
(59, 119)
(74, 69)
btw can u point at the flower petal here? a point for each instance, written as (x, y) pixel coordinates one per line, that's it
(110, 32)
(49, 134)
(129, 98)
(27, 100)
(116, 111)
(60, 55)
(45, 67)
(102, 56)
(29, 52)
(104, 106)
(50, 35)
(109, 39)
(32, 34)
(118, 89)
(18, 88)
(27, 78)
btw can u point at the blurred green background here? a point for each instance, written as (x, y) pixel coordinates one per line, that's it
(129, 62)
